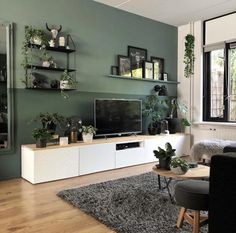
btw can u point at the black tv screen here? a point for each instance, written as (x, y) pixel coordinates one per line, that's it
(117, 116)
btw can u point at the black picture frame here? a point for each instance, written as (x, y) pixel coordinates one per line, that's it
(158, 67)
(114, 70)
(137, 56)
(148, 70)
(124, 66)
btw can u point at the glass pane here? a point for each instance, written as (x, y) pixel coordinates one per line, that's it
(232, 86)
(217, 83)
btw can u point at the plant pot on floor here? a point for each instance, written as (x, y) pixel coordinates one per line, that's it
(41, 143)
(87, 137)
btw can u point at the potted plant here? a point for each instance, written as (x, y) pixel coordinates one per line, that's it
(153, 109)
(173, 120)
(179, 166)
(164, 155)
(33, 37)
(45, 58)
(50, 121)
(67, 82)
(87, 133)
(41, 135)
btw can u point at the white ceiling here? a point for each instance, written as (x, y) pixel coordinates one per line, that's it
(174, 12)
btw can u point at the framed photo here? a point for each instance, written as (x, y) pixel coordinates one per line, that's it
(148, 70)
(114, 70)
(158, 67)
(165, 76)
(124, 66)
(137, 56)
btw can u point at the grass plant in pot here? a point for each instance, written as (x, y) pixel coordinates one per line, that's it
(153, 110)
(87, 133)
(164, 156)
(179, 166)
(41, 135)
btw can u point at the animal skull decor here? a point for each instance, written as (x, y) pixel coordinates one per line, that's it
(54, 31)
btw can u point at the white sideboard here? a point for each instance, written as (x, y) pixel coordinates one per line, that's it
(59, 162)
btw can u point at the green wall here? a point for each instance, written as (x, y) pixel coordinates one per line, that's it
(100, 33)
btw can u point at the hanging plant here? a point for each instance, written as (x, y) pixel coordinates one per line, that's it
(32, 37)
(189, 56)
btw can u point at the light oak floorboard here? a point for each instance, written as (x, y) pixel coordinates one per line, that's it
(27, 208)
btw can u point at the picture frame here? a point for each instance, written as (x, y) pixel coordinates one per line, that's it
(137, 56)
(148, 70)
(158, 67)
(124, 66)
(165, 76)
(114, 70)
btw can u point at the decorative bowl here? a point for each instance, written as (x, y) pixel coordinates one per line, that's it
(177, 170)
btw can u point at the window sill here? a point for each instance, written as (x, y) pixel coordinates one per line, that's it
(233, 124)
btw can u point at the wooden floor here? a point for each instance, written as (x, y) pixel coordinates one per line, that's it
(36, 208)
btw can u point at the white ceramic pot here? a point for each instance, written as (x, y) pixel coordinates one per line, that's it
(46, 64)
(87, 137)
(177, 170)
(36, 40)
(64, 84)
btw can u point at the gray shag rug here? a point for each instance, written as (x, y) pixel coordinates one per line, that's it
(129, 205)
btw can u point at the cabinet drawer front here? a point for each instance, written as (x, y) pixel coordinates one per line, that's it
(56, 164)
(130, 157)
(97, 158)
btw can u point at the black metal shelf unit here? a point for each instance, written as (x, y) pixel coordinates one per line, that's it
(35, 68)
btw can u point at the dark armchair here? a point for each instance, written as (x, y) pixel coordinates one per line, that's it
(218, 196)
(222, 198)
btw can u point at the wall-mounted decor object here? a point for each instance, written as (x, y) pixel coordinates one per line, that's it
(137, 56)
(124, 64)
(148, 70)
(54, 31)
(114, 70)
(158, 67)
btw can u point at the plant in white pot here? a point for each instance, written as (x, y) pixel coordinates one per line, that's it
(87, 133)
(67, 82)
(179, 166)
(45, 58)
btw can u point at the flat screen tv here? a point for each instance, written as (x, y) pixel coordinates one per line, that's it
(117, 116)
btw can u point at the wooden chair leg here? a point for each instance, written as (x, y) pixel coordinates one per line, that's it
(181, 217)
(196, 221)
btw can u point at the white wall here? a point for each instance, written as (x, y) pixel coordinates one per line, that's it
(220, 29)
(194, 86)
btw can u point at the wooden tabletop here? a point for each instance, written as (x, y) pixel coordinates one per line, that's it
(201, 171)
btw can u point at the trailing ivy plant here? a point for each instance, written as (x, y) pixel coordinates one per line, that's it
(31, 34)
(189, 56)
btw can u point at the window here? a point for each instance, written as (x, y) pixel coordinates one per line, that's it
(220, 83)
